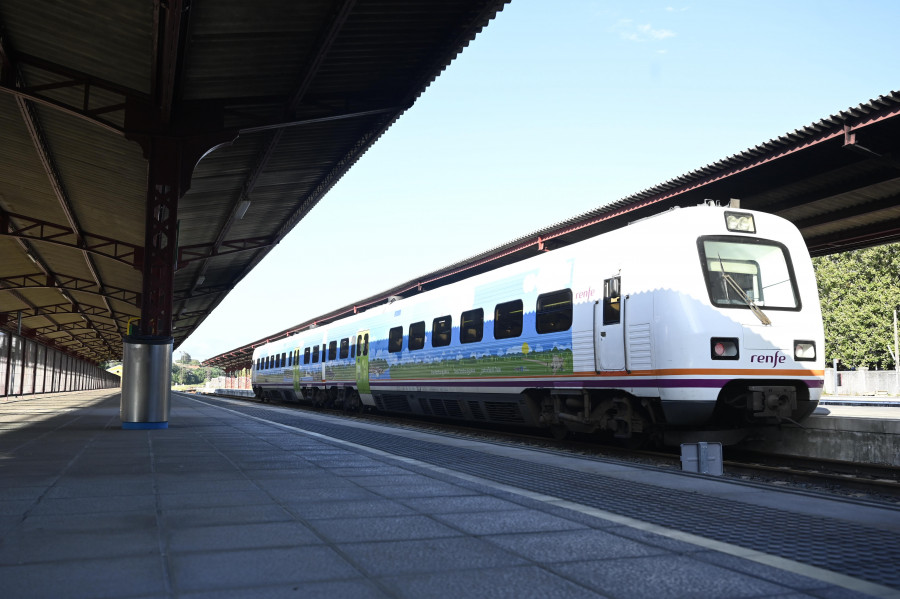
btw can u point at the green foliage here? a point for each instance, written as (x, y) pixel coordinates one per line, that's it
(185, 375)
(859, 292)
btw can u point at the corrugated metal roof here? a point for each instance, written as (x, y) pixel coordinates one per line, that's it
(74, 184)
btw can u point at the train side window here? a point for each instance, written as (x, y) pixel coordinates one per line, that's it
(471, 326)
(315, 356)
(508, 320)
(611, 301)
(324, 352)
(416, 336)
(306, 356)
(554, 311)
(366, 345)
(283, 359)
(345, 347)
(440, 331)
(395, 340)
(332, 351)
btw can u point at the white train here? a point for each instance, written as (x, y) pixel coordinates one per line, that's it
(698, 319)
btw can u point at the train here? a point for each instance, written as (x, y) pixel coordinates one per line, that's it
(698, 323)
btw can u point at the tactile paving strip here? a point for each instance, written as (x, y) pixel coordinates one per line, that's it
(842, 547)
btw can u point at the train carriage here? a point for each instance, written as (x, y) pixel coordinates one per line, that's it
(698, 319)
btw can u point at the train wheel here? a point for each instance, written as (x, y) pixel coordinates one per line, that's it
(318, 398)
(352, 403)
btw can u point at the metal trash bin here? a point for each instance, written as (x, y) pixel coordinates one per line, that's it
(146, 382)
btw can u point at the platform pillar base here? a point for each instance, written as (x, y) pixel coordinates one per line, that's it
(146, 382)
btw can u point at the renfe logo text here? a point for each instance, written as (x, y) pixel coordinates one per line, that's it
(778, 358)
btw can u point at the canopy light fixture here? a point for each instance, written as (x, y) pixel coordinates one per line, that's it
(242, 208)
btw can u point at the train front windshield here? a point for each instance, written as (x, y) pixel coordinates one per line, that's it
(745, 271)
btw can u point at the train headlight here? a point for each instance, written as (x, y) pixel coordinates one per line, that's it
(739, 221)
(804, 351)
(724, 348)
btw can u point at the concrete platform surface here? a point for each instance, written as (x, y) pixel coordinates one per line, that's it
(241, 500)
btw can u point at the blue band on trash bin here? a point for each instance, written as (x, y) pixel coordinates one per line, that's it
(144, 425)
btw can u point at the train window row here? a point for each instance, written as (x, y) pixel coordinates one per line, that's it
(553, 313)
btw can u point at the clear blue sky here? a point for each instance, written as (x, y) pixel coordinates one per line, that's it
(555, 109)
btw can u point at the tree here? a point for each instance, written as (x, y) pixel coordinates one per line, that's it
(191, 377)
(859, 292)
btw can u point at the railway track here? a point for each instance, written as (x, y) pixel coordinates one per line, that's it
(861, 481)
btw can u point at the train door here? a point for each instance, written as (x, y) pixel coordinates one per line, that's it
(609, 327)
(362, 368)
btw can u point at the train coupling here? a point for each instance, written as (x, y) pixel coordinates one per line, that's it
(778, 402)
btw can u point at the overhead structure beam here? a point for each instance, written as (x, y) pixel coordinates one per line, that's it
(170, 22)
(850, 212)
(76, 326)
(38, 139)
(65, 308)
(30, 117)
(66, 283)
(204, 251)
(885, 231)
(25, 227)
(308, 73)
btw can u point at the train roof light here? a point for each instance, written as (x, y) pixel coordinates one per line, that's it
(739, 221)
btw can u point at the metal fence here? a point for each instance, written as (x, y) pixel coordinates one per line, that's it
(28, 367)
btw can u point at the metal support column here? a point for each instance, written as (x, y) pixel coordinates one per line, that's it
(148, 356)
(161, 237)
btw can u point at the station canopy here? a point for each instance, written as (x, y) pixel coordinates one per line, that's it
(258, 107)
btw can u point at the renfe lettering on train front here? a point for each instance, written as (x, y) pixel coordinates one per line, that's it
(775, 360)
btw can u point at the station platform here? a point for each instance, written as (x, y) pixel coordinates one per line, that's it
(238, 499)
(850, 429)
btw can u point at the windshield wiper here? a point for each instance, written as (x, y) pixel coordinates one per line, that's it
(757, 311)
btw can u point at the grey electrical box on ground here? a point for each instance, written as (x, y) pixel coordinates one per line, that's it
(703, 458)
